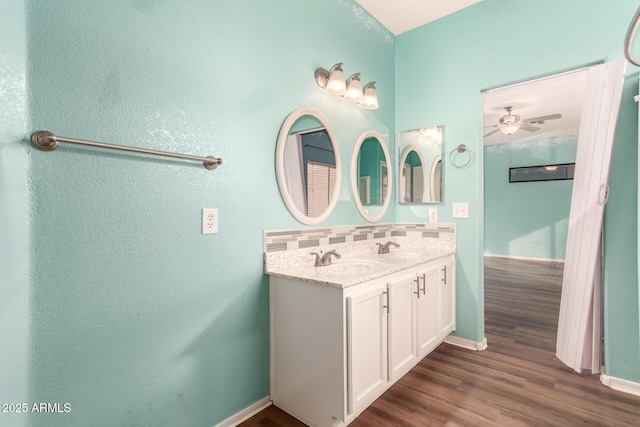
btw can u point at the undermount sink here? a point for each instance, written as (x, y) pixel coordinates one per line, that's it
(350, 266)
(400, 254)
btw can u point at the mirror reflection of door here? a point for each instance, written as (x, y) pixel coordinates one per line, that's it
(364, 188)
(384, 181)
(310, 167)
(372, 165)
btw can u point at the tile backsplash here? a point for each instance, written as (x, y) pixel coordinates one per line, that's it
(283, 240)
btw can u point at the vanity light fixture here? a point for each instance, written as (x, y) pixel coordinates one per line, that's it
(333, 80)
(334, 83)
(354, 89)
(370, 98)
(430, 132)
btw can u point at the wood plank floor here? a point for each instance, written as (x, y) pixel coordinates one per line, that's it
(517, 381)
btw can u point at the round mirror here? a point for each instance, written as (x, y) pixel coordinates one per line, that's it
(308, 165)
(412, 186)
(371, 176)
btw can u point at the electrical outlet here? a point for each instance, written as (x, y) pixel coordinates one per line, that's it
(433, 215)
(209, 221)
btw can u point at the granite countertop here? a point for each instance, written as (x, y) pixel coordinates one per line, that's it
(355, 265)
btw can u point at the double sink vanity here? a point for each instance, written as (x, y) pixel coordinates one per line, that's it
(342, 333)
(353, 308)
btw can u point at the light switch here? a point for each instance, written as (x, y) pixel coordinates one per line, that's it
(460, 210)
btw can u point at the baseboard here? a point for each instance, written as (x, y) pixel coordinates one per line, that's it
(246, 413)
(525, 258)
(620, 384)
(468, 344)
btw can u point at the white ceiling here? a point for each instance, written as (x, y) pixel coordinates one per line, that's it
(558, 94)
(400, 16)
(561, 94)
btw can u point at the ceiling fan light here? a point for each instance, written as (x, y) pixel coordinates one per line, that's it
(510, 129)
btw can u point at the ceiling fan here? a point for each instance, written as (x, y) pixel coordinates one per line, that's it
(511, 123)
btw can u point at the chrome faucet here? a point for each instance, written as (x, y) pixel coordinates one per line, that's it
(324, 260)
(384, 249)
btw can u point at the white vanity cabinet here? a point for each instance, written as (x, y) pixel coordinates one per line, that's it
(334, 349)
(447, 307)
(366, 346)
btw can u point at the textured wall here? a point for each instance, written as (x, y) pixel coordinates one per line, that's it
(14, 213)
(137, 318)
(492, 44)
(527, 219)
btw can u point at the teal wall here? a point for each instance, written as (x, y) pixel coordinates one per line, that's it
(115, 303)
(112, 299)
(483, 47)
(527, 219)
(15, 244)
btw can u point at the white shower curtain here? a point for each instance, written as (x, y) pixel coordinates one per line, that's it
(294, 172)
(578, 342)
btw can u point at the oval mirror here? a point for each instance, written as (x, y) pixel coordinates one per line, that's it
(308, 165)
(420, 181)
(412, 186)
(371, 177)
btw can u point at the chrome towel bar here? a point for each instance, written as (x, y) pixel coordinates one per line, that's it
(47, 141)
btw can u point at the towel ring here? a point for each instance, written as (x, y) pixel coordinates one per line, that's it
(460, 149)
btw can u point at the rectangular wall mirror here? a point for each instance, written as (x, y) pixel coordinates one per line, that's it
(420, 169)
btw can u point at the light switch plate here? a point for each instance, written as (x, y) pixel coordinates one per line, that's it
(460, 210)
(433, 215)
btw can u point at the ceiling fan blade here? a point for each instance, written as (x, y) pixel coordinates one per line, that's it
(529, 128)
(492, 132)
(543, 118)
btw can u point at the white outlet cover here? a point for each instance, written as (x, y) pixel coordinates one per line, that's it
(209, 221)
(433, 215)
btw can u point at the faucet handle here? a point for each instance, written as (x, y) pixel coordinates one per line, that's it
(317, 259)
(380, 248)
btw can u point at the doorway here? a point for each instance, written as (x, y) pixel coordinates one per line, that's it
(530, 143)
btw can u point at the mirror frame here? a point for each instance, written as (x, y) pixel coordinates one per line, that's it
(354, 175)
(405, 154)
(432, 190)
(282, 184)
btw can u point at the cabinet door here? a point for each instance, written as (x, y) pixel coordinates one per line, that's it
(447, 297)
(402, 345)
(427, 309)
(366, 346)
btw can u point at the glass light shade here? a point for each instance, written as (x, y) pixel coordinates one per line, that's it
(370, 98)
(510, 129)
(354, 89)
(336, 84)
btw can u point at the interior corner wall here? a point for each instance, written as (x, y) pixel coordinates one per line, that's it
(14, 214)
(136, 317)
(492, 44)
(527, 219)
